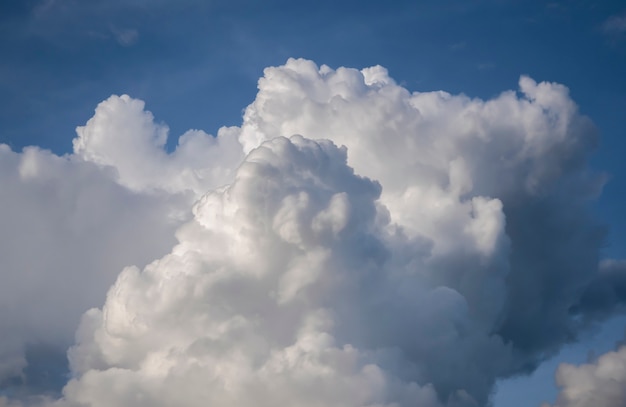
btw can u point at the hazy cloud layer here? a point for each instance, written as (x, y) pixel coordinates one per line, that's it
(352, 244)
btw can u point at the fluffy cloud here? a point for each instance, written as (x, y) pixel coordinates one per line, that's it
(71, 223)
(266, 282)
(123, 136)
(601, 383)
(359, 245)
(446, 163)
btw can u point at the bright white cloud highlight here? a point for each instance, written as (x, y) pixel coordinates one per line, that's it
(124, 136)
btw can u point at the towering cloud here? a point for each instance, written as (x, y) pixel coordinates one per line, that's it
(351, 244)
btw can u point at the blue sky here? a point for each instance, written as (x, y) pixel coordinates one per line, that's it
(196, 65)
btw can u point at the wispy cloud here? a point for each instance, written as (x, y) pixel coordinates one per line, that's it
(125, 36)
(43, 7)
(485, 66)
(615, 25)
(458, 45)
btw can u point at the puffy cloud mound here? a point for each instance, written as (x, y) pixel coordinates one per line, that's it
(351, 244)
(124, 136)
(257, 303)
(70, 224)
(601, 383)
(454, 171)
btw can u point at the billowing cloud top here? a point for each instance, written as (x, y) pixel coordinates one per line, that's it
(351, 244)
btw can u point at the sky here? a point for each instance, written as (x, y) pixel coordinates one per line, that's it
(347, 203)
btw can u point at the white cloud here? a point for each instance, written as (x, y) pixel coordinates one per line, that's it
(375, 247)
(267, 298)
(124, 136)
(71, 223)
(601, 383)
(67, 230)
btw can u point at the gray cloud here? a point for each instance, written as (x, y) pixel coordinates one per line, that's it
(606, 293)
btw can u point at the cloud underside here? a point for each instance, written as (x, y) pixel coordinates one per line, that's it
(350, 244)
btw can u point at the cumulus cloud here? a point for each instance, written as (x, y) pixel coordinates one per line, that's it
(437, 156)
(351, 244)
(601, 383)
(71, 223)
(123, 136)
